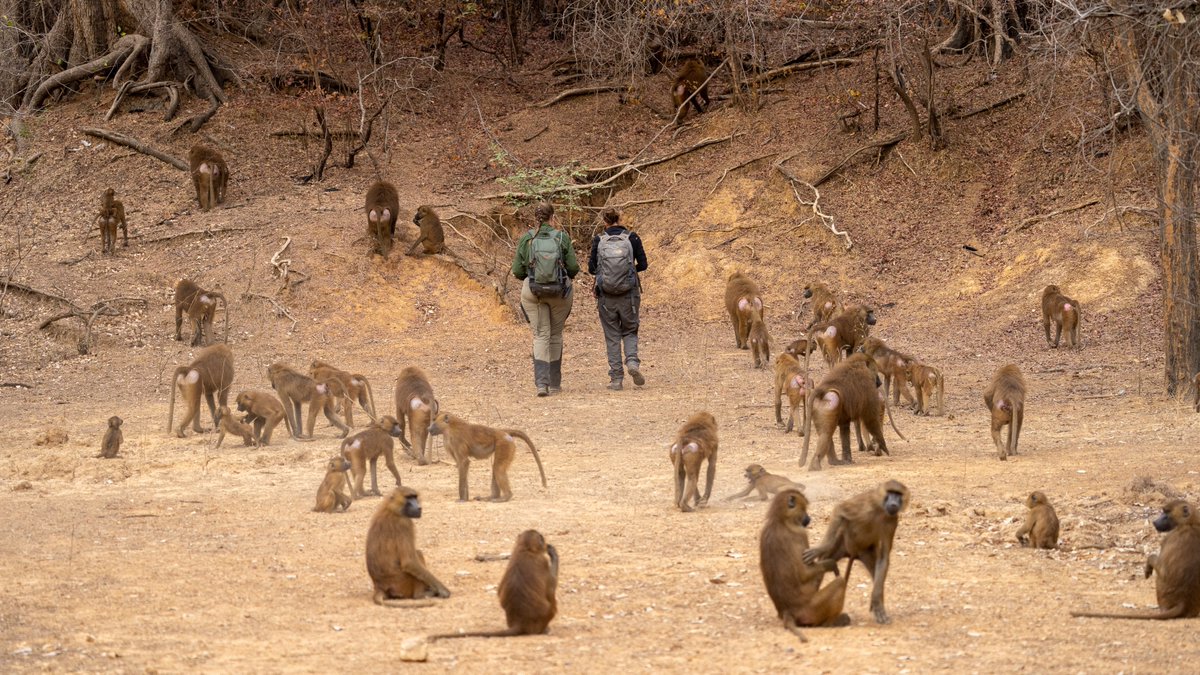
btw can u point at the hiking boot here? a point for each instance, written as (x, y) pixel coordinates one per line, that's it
(637, 376)
(615, 385)
(554, 390)
(543, 390)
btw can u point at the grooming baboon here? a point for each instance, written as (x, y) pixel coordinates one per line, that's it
(431, 235)
(1065, 314)
(893, 366)
(696, 442)
(358, 388)
(825, 304)
(294, 388)
(929, 385)
(862, 528)
(383, 205)
(466, 441)
(526, 590)
(793, 583)
(760, 342)
(1177, 585)
(209, 175)
(330, 496)
(765, 482)
(396, 566)
(111, 216)
(1005, 399)
(110, 447)
(791, 380)
(264, 412)
(843, 334)
(1041, 525)
(849, 393)
(690, 79)
(200, 306)
(743, 302)
(227, 424)
(210, 374)
(367, 446)
(416, 406)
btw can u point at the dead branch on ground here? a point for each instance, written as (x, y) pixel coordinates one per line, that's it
(8, 283)
(280, 310)
(581, 91)
(108, 307)
(133, 143)
(796, 68)
(991, 106)
(283, 268)
(1031, 220)
(208, 232)
(826, 219)
(735, 168)
(883, 146)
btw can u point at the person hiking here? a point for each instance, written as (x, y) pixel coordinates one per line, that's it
(616, 258)
(546, 262)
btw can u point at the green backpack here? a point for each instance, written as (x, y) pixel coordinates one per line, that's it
(546, 265)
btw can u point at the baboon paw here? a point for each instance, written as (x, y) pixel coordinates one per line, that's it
(882, 617)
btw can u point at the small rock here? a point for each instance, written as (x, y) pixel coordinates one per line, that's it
(23, 485)
(414, 649)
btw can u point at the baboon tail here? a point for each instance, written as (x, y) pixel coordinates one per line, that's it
(537, 458)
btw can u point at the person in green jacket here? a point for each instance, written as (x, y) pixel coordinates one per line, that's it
(546, 262)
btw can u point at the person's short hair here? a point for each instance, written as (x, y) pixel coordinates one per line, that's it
(610, 216)
(543, 212)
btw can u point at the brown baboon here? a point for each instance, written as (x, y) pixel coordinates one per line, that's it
(849, 393)
(691, 78)
(1041, 525)
(793, 582)
(862, 528)
(210, 374)
(1064, 312)
(264, 412)
(367, 446)
(844, 334)
(294, 388)
(209, 175)
(765, 482)
(431, 235)
(743, 302)
(330, 496)
(695, 443)
(111, 216)
(760, 342)
(358, 388)
(416, 405)
(893, 366)
(791, 380)
(227, 424)
(526, 590)
(383, 205)
(466, 441)
(1005, 399)
(396, 566)
(200, 306)
(1177, 586)
(825, 304)
(110, 447)
(929, 385)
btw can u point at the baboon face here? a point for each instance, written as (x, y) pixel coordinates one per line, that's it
(893, 502)
(391, 425)
(754, 471)
(438, 424)
(1174, 512)
(114, 422)
(870, 317)
(796, 507)
(808, 291)
(338, 464)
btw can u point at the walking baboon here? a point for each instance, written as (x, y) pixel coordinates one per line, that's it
(264, 412)
(1005, 400)
(209, 175)
(431, 235)
(211, 374)
(791, 380)
(416, 406)
(1063, 312)
(200, 306)
(396, 566)
(226, 424)
(357, 387)
(760, 342)
(695, 443)
(110, 446)
(466, 441)
(825, 304)
(765, 482)
(111, 216)
(743, 302)
(1041, 525)
(330, 496)
(893, 366)
(929, 385)
(383, 205)
(848, 394)
(295, 388)
(367, 446)
(844, 334)
(690, 79)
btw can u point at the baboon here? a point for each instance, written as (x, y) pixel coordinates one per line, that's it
(893, 365)
(1005, 399)
(209, 175)
(358, 388)
(849, 393)
(367, 446)
(825, 304)
(431, 235)
(383, 205)
(765, 482)
(111, 216)
(760, 342)
(791, 380)
(396, 566)
(110, 447)
(264, 412)
(466, 441)
(200, 306)
(743, 302)
(927, 381)
(210, 374)
(793, 582)
(1041, 525)
(862, 528)
(695, 443)
(295, 388)
(844, 333)
(526, 590)
(330, 496)
(416, 405)
(226, 424)
(1064, 312)
(690, 79)
(1177, 586)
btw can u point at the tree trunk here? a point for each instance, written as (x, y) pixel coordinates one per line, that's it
(1181, 288)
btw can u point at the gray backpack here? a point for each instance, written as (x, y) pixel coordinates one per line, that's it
(615, 272)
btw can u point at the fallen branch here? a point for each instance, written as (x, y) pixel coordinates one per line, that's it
(283, 268)
(796, 68)
(122, 139)
(1031, 220)
(992, 106)
(7, 283)
(1119, 211)
(280, 310)
(735, 168)
(109, 307)
(282, 133)
(581, 91)
(491, 557)
(539, 133)
(16, 385)
(883, 146)
(209, 232)
(826, 219)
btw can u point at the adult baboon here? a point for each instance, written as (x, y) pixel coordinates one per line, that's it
(415, 407)
(211, 374)
(383, 205)
(200, 306)
(357, 387)
(690, 79)
(209, 175)
(295, 388)
(466, 441)
(743, 303)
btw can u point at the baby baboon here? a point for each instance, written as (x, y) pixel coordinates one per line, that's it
(200, 306)
(111, 216)
(766, 483)
(1065, 314)
(1177, 586)
(844, 334)
(791, 380)
(416, 405)
(743, 302)
(295, 388)
(431, 235)
(210, 374)
(367, 446)
(209, 175)
(396, 566)
(825, 304)
(863, 528)
(760, 342)
(690, 79)
(893, 366)
(1005, 399)
(358, 389)
(226, 424)
(466, 441)
(695, 443)
(383, 205)
(847, 394)
(330, 496)
(792, 581)
(264, 412)
(929, 385)
(111, 445)
(1041, 525)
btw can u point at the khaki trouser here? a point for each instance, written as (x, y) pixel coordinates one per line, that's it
(619, 319)
(547, 317)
